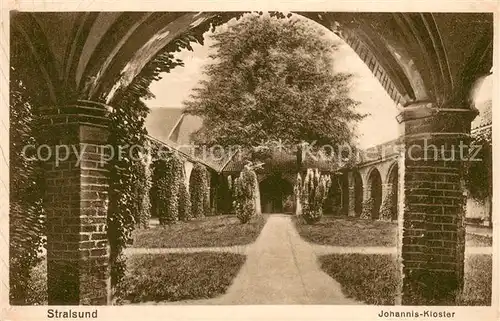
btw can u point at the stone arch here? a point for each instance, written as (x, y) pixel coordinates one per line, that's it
(374, 193)
(358, 193)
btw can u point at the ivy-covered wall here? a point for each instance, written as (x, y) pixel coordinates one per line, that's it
(26, 215)
(367, 208)
(388, 209)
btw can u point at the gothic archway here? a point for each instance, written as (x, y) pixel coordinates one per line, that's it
(276, 195)
(375, 192)
(393, 186)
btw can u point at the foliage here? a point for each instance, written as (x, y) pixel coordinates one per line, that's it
(199, 190)
(26, 218)
(312, 193)
(352, 271)
(142, 187)
(127, 128)
(367, 208)
(184, 198)
(167, 181)
(479, 179)
(206, 199)
(265, 69)
(244, 194)
(477, 281)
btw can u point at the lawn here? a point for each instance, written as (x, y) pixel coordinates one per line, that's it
(176, 277)
(349, 232)
(207, 232)
(373, 278)
(477, 288)
(161, 277)
(360, 232)
(368, 278)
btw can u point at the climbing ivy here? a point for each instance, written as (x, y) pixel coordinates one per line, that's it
(127, 129)
(479, 179)
(367, 208)
(26, 214)
(26, 187)
(388, 206)
(142, 188)
(166, 188)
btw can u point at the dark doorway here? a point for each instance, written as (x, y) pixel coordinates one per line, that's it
(358, 193)
(375, 186)
(275, 192)
(333, 202)
(223, 195)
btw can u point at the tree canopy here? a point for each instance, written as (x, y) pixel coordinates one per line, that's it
(273, 79)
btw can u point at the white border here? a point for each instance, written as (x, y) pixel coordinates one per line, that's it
(172, 312)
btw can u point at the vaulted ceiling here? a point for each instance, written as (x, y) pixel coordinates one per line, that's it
(431, 57)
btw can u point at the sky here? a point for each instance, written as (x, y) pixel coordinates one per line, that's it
(380, 126)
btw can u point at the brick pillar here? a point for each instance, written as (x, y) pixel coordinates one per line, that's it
(433, 219)
(76, 204)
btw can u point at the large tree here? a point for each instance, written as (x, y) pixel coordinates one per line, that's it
(273, 79)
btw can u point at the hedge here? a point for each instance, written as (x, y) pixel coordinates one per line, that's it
(199, 190)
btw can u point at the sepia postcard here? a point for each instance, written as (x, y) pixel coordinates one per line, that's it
(272, 160)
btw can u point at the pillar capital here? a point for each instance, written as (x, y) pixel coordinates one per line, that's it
(82, 121)
(425, 120)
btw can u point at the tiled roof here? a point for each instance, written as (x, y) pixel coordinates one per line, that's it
(187, 125)
(160, 121)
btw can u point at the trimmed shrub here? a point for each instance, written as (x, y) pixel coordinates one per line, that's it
(388, 207)
(199, 190)
(142, 187)
(167, 181)
(206, 194)
(312, 194)
(184, 199)
(244, 195)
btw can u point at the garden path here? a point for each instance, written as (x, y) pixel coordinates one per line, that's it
(281, 268)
